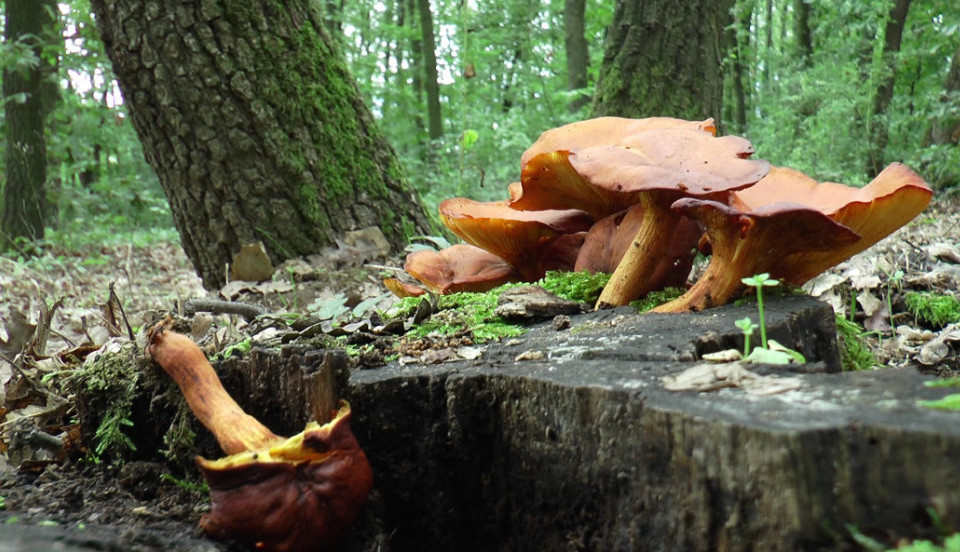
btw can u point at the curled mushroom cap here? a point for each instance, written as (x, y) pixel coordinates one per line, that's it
(276, 494)
(608, 240)
(794, 228)
(457, 268)
(605, 131)
(528, 240)
(296, 496)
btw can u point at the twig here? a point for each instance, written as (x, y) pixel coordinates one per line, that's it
(246, 310)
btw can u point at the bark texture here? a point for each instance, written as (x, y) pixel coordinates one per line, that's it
(431, 80)
(879, 134)
(255, 127)
(575, 44)
(663, 58)
(22, 215)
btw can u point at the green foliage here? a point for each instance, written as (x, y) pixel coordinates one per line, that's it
(950, 544)
(854, 354)
(949, 402)
(200, 488)
(746, 326)
(760, 281)
(933, 309)
(462, 312)
(110, 435)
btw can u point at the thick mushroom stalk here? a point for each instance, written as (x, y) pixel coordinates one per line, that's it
(659, 167)
(271, 493)
(745, 244)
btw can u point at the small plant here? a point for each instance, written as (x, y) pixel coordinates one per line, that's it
(854, 354)
(199, 488)
(934, 309)
(110, 433)
(760, 281)
(894, 278)
(656, 298)
(747, 326)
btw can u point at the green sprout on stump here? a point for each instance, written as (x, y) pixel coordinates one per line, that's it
(747, 326)
(760, 281)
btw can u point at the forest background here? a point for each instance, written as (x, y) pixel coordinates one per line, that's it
(808, 82)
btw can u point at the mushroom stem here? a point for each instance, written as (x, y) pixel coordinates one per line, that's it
(185, 363)
(632, 277)
(718, 284)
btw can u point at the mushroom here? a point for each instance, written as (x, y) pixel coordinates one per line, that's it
(549, 182)
(532, 242)
(609, 238)
(657, 168)
(794, 228)
(275, 494)
(457, 268)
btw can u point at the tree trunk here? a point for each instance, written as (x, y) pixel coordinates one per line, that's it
(803, 47)
(663, 58)
(431, 84)
(22, 215)
(947, 130)
(255, 128)
(578, 55)
(737, 34)
(884, 93)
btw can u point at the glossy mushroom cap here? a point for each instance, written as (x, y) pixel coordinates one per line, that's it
(457, 268)
(297, 496)
(794, 228)
(530, 241)
(605, 131)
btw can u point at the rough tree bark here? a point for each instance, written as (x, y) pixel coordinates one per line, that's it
(431, 81)
(255, 127)
(22, 214)
(947, 130)
(663, 58)
(803, 47)
(575, 44)
(884, 94)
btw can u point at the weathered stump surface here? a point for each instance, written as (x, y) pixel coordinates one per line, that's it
(586, 450)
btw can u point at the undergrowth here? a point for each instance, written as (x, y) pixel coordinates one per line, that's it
(933, 309)
(854, 353)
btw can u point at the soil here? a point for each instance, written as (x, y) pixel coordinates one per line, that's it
(59, 308)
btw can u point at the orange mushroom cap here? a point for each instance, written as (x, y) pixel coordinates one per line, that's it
(457, 268)
(889, 201)
(524, 239)
(605, 131)
(609, 238)
(794, 228)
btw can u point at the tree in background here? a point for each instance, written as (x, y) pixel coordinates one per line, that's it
(577, 49)
(29, 26)
(883, 95)
(663, 58)
(255, 127)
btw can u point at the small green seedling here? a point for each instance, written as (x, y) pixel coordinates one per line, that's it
(760, 281)
(746, 326)
(769, 351)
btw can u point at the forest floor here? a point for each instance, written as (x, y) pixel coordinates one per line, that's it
(59, 494)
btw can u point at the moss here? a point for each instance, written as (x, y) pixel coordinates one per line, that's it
(656, 298)
(583, 286)
(933, 309)
(109, 387)
(854, 353)
(949, 402)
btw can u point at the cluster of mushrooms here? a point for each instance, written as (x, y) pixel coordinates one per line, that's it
(638, 198)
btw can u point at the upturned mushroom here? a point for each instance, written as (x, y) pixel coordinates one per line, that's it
(548, 181)
(530, 241)
(271, 493)
(657, 168)
(793, 227)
